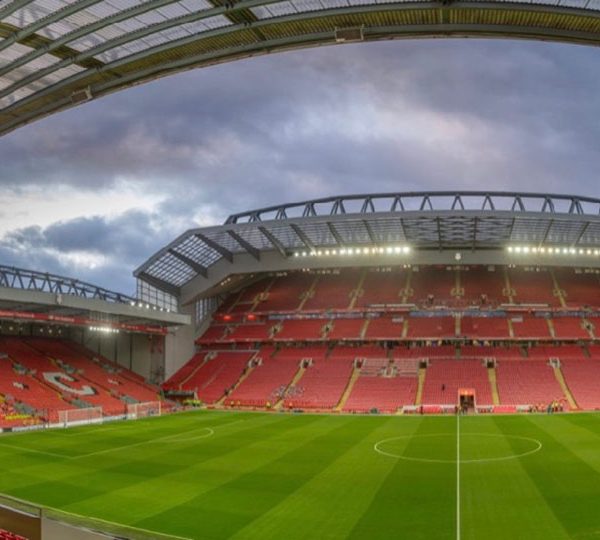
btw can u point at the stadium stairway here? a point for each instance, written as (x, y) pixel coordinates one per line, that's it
(565, 388)
(494, 386)
(421, 385)
(242, 378)
(356, 293)
(348, 390)
(295, 380)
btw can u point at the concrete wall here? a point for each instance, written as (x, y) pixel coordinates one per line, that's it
(179, 345)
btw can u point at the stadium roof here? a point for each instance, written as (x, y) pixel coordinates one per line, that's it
(58, 53)
(30, 296)
(425, 221)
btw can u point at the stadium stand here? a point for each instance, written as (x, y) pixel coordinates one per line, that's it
(579, 288)
(333, 291)
(41, 376)
(431, 286)
(532, 286)
(483, 286)
(267, 382)
(431, 327)
(582, 376)
(513, 320)
(322, 384)
(214, 376)
(380, 288)
(527, 382)
(446, 377)
(7, 535)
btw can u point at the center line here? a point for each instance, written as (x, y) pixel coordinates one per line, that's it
(458, 476)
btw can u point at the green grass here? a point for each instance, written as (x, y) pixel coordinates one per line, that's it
(276, 476)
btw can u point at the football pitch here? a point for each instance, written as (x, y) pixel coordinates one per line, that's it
(234, 475)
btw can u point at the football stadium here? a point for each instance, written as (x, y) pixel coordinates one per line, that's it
(419, 365)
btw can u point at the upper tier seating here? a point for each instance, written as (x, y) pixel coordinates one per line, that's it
(525, 327)
(583, 379)
(390, 327)
(381, 288)
(545, 352)
(569, 328)
(250, 332)
(431, 327)
(484, 327)
(332, 291)
(301, 329)
(445, 377)
(478, 280)
(532, 287)
(579, 288)
(249, 294)
(527, 382)
(286, 292)
(345, 329)
(215, 332)
(437, 282)
(472, 351)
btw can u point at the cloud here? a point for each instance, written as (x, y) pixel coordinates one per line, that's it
(191, 149)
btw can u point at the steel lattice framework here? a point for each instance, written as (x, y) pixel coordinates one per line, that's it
(58, 53)
(425, 221)
(30, 280)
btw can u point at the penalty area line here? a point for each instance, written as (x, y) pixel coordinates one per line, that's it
(458, 477)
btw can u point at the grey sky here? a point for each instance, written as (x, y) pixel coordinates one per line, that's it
(93, 191)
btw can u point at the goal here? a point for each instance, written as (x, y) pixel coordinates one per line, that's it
(87, 415)
(142, 410)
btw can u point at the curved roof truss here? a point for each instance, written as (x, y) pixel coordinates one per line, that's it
(424, 220)
(55, 54)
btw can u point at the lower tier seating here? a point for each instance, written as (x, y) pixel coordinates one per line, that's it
(583, 379)
(527, 382)
(386, 394)
(445, 377)
(322, 384)
(40, 377)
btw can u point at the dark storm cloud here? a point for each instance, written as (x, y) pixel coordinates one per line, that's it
(409, 115)
(72, 247)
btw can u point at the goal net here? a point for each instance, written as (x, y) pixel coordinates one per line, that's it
(88, 415)
(142, 410)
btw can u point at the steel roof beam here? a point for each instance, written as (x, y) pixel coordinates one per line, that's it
(195, 266)
(274, 241)
(303, 237)
(160, 284)
(370, 233)
(216, 246)
(584, 228)
(255, 252)
(547, 232)
(334, 232)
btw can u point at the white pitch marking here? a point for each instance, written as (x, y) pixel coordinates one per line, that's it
(538, 447)
(458, 477)
(33, 450)
(167, 438)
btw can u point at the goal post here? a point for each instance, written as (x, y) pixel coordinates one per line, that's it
(143, 410)
(87, 415)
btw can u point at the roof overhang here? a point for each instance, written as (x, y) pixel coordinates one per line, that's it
(52, 59)
(30, 296)
(436, 226)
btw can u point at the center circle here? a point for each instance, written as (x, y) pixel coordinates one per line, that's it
(473, 448)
